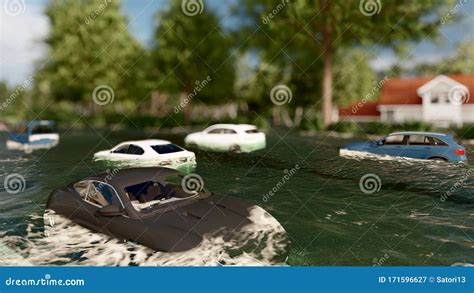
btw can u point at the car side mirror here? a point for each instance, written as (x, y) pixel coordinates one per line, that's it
(379, 142)
(111, 211)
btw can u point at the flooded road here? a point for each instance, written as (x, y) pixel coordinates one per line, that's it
(336, 210)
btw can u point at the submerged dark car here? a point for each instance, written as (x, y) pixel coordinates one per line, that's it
(156, 207)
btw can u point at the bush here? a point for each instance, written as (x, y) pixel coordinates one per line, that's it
(378, 127)
(314, 124)
(345, 126)
(465, 132)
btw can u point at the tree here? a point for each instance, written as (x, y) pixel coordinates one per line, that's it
(351, 87)
(190, 49)
(320, 28)
(89, 46)
(463, 62)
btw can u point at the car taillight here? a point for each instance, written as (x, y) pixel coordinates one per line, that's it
(460, 152)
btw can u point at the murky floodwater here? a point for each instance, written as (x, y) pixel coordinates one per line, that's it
(407, 213)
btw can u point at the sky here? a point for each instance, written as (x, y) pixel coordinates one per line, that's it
(22, 35)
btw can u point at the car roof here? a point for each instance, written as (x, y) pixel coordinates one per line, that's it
(418, 133)
(122, 178)
(242, 127)
(146, 142)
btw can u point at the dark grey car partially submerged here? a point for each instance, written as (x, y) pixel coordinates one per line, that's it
(156, 207)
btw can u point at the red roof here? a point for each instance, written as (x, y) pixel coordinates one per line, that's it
(403, 91)
(369, 108)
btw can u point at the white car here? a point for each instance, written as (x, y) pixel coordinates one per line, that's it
(228, 137)
(151, 152)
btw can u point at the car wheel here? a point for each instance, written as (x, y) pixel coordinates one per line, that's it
(234, 148)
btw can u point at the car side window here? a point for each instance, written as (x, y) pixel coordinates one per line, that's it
(395, 140)
(123, 149)
(222, 131)
(436, 141)
(98, 193)
(418, 140)
(135, 150)
(216, 131)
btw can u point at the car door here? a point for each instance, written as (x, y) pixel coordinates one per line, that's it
(438, 148)
(394, 145)
(418, 147)
(135, 152)
(169, 154)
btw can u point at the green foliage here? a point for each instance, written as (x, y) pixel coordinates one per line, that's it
(465, 132)
(189, 49)
(462, 62)
(312, 123)
(379, 128)
(354, 78)
(89, 45)
(292, 36)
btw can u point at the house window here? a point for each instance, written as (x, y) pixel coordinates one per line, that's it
(440, 98)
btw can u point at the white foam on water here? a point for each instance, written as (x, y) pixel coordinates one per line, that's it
(350, 154)
(64, 242)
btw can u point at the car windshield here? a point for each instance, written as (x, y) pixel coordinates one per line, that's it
(43, 129)
(147, 195)
(166, 148)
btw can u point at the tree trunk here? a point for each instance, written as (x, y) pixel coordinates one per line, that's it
(154, 104)
(184, 100)
(327, 67)
(276, 115)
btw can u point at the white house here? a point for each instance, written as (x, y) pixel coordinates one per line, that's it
(442, 100)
